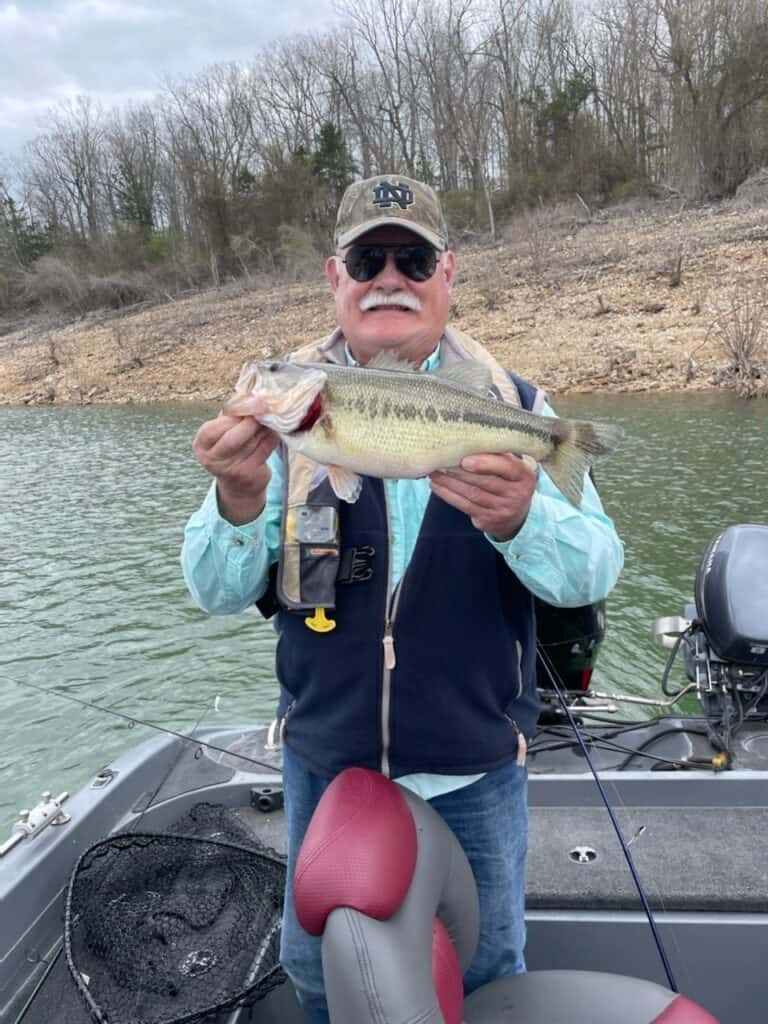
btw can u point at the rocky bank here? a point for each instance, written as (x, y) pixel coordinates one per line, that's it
(634, 298)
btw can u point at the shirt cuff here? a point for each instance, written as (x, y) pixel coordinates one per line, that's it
(224, 532)
(527, 535)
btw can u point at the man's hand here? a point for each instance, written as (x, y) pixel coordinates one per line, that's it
(235, 450)
(495, 491)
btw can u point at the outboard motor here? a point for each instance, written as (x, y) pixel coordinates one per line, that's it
(732, 596)
(567, 642)
(725, 633)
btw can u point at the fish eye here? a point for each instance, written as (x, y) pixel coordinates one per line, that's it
(273, 367)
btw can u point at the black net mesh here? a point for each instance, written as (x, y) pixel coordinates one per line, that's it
(172, 928)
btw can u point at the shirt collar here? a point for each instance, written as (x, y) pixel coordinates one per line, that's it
(432, 362)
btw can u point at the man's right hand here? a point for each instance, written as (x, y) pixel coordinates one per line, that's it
(235, 450)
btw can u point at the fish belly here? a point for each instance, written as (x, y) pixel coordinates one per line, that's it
(412, 445)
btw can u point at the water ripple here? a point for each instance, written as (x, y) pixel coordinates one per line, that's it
(92, 603)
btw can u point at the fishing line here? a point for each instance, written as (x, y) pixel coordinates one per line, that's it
(599, 743)
(551, 672)
(153, 796)
(148, 725)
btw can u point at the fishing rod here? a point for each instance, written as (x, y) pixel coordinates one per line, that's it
(559, 690)
(149, 725)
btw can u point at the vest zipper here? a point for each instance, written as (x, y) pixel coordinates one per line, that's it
(388, 642)
(519, 649)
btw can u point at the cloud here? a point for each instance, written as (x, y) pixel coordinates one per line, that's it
(118, 51)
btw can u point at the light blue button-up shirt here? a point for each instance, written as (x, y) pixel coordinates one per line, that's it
(564, 555)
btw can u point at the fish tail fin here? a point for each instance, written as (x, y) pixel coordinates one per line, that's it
(577, 445)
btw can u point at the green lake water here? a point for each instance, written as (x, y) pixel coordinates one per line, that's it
(93, 502)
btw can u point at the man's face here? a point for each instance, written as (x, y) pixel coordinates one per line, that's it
(369, 325)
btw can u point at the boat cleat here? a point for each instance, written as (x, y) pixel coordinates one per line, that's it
(29, 824)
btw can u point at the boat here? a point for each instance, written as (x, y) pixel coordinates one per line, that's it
(153, 894)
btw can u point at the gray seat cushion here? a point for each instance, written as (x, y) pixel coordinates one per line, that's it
(565, 997)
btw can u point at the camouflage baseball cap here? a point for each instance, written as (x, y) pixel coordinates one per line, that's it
(388, 199)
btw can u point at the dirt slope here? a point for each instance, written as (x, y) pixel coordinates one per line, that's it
(625, 300)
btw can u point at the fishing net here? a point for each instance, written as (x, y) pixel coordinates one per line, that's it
(173, 928)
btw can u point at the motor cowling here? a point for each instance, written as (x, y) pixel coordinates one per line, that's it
(731, 593)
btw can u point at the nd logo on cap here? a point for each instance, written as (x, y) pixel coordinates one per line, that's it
(387, 194)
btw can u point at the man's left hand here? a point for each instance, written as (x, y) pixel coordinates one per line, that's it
(495, 491)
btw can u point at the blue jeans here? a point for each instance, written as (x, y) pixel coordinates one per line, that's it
(490, 820)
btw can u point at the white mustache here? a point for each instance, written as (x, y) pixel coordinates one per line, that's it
(390, 299)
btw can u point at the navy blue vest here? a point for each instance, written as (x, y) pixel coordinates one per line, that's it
(464, 683)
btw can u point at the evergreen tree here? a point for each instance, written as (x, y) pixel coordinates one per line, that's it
(21, 240)
(331, 161)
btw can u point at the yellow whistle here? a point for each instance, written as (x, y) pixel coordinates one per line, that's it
(318, 622)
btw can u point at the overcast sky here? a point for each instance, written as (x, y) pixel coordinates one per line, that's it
(118, 51)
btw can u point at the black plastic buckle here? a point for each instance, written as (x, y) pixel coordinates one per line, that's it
(353, 564)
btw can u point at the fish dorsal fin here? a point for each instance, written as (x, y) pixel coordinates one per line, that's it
(469, 375)
(390, 361)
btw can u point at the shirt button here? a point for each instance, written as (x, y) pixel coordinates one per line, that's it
(239, 541)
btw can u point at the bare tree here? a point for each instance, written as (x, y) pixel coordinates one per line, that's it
(290, 95)
(506, 47)
(386, 40)
(460, 80)
(713, 54)
(351, 96)
(208, 119)
(620, 62)
(133, 151)
(66, 166)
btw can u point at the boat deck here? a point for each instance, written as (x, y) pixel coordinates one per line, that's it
(695, 837)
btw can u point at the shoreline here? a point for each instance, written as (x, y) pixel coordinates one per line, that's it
(627, 302)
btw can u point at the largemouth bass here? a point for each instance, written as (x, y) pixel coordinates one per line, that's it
(389, 420)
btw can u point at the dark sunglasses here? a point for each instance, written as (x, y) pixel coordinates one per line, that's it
(417, 262)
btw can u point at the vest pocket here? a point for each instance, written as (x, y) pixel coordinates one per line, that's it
(309, 559)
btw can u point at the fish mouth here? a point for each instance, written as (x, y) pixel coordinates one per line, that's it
(283, 397)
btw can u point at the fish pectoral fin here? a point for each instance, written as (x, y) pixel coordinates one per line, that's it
(346, 484)
(469, 375)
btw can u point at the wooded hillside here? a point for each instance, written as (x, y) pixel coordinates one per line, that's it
(504, 105)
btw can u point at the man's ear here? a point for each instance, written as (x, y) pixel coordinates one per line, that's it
(332, 272)
(448, 263)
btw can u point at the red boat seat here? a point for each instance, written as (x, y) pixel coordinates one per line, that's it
(385, 882)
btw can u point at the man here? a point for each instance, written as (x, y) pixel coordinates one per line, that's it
(424, 665)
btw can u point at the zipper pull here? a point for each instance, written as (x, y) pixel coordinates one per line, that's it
(389, 649)
(522, 744)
